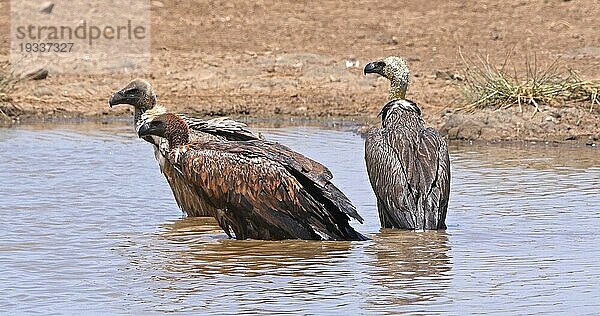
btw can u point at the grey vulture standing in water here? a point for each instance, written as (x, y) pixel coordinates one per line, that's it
(258, 192)
(140, 94)
(407, 163)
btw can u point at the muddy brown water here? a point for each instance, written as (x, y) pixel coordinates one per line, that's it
(88, 224)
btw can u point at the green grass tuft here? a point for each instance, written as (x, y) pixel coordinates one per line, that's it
(488, 86)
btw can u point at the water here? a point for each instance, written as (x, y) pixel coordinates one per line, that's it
(88, 224)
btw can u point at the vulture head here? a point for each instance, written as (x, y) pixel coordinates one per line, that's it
(170, 126)
(138, 93)
(396, 71)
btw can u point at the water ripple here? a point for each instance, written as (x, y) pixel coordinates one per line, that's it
(89, 225)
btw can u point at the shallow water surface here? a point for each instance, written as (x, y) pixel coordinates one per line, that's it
(89, 225)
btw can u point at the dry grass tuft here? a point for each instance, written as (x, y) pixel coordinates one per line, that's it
(488, 86)
(7, 80)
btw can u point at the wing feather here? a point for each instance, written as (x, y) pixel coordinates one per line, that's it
(389, 176)
(409, 172)
(313, 175)
(222, 126)
(259, 197)
(435, 165)
(185, 196)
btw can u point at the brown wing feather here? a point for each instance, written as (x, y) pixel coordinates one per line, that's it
(313, 174)
(185, 196)
(258, 197)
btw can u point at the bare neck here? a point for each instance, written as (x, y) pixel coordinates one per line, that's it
(397, 90)
(179, 134)
(137, 115)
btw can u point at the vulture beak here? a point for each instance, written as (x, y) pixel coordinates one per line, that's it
(375, 67)
(122, 98)
(116, 98)
(151, 128)
(144, 130)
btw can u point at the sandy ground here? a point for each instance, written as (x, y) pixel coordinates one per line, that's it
(300, 58)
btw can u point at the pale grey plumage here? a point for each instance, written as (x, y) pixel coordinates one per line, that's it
(407, 163)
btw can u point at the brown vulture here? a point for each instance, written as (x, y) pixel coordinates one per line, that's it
(140, 94)
(407, 163)
(258, 191)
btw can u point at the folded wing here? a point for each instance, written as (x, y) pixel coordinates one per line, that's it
(260, 197)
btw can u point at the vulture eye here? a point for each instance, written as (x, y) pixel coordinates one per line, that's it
(133, 91)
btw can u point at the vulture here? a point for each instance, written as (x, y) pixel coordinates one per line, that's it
(140, 94)
(258, 191)
(407, 163)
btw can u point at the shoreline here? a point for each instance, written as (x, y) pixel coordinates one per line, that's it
(309, 64)
(470, 129)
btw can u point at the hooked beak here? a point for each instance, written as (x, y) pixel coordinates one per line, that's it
(151, 129)
(144, 130)
(375, 67)
(122, 98)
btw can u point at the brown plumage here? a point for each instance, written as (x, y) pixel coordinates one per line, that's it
(259, 192)
(140, 94)
(407, 163)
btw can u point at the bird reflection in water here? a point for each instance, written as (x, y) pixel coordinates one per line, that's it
(208, 250)
(196, 266)
(408, 268)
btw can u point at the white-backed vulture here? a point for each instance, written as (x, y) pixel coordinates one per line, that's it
(140, 94)
(258, 192)
(407, 163)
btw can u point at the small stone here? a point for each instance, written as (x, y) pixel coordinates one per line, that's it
(47, 7)
(458, 77)
(443, 74)
(4, 97)
(352, 63)
(39, 74)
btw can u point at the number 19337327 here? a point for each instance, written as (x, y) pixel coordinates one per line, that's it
(45, 47)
